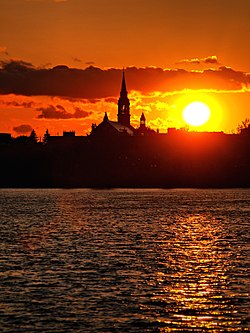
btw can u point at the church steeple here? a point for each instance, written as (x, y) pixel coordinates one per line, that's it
(142, 121)
(123, 87)
(105, 118)
(124, 104)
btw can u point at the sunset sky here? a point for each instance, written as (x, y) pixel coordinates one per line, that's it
(61, 62)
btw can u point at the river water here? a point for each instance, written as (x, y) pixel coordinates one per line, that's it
(124, 260)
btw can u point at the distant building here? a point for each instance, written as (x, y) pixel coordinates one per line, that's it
(68, 138)
(70, 134)
(143, 130)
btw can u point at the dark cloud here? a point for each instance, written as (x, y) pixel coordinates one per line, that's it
(92, 83)
(16, 66)
(79, 113)
(59, 112)
(231, 75)
(90, 63)
(60, 68)
(22, 129)
(111, 100)
(94, 100)
(26, 105)
(211, 60)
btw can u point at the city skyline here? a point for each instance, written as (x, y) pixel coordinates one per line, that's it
(173, 54)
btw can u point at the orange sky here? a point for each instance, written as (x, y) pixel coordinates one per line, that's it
(199, 50)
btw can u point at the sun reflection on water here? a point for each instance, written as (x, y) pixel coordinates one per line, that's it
(193, 289)
(79, 260)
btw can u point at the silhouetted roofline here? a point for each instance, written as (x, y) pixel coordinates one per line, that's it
(119, 127)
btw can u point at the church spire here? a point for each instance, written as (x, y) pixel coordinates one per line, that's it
(105, 118)
(123, 87)
(123, 104)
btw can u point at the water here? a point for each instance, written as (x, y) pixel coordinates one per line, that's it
(124, 261)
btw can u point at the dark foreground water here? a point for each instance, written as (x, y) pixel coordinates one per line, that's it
(125, 261)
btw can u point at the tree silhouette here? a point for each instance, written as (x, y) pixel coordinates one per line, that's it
(46, 136)
(243, 125)
(33, 137)
(21, 139)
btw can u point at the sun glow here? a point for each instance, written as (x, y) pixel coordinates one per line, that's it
(196, 113)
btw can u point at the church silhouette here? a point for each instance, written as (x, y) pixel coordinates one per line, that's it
(122, 126)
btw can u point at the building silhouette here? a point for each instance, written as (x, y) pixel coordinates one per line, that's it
(122, 126)
(5, 138)
(124, 105)
(116, 154)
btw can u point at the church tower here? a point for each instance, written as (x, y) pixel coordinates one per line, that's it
(123, 105)
(142, 121)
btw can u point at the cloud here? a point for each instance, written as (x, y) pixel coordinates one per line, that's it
(211, 60)
(26, 105)
(16, 66)
(111, 100)
(60, 68)
(93, 83)
(79, 113)
(77, 59)
(22, 129)
(198, 61)
(59, 112)
(189, 61)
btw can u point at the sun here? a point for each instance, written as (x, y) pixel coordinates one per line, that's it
(196, 113)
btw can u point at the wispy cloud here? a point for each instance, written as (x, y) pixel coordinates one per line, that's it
(198, 61)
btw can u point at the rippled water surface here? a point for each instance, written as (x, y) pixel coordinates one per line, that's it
(124, 261)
